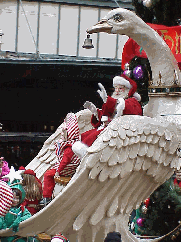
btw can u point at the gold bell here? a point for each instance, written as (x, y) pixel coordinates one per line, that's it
(88, 43)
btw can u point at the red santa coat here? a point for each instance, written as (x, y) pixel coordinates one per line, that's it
(129, 106)
(132, 107)
(108, 109)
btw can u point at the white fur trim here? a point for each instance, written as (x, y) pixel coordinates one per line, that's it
(104, 118)
(56, 239)
(120, 107)
(137, 96)
(79, 149)
(118, 80)
(147, 3)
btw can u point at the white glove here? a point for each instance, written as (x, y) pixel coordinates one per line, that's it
(56, 174)
(102, 92)
(92, 108)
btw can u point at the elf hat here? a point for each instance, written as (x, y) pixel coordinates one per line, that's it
(17, 184)
(59, 238)
(72, 126)
(30, 172)
(22, 168)
(124, 80)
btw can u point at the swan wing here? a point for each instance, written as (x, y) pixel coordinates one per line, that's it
(47, 157)
(130, 158)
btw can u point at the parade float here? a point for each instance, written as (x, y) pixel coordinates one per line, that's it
(129, 160)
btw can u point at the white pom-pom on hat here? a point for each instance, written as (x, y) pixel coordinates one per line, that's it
(147, 3)
(137, 96)
(79, 148)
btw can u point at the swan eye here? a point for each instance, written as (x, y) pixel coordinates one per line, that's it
(117, 18)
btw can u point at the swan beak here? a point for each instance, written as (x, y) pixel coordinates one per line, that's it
(101, 26)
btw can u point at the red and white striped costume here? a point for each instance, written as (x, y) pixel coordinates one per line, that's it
(6, 198)
(68, 161)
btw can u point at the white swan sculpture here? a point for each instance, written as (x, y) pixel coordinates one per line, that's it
(165, 71)
(130, 158)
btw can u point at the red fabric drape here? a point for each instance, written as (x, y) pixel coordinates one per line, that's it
(171, 35)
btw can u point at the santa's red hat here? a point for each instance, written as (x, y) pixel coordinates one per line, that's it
(30, 172)
(124, 80)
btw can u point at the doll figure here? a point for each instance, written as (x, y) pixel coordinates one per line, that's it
(33, 188)
(16, 214)
(4, 169)
(67, 160)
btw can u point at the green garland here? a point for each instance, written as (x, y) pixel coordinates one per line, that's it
(163, 211)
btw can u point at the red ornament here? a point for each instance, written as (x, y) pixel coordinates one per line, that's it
(147, 202)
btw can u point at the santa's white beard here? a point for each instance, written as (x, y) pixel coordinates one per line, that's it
(121, 94)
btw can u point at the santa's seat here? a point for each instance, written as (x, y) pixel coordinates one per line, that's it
(44, 237)
(62, 180)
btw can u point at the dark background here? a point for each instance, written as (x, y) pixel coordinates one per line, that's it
(33, 96)
(35, 99)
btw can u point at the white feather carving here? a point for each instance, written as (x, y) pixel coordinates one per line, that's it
(103, 189)
(119, 170)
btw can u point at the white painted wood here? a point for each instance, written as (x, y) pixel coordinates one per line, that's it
(68, 30)
(81, 208)
(8, 24)
(48, 28)
(25, 40)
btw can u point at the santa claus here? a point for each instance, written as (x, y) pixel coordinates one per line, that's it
(69, 149)
(124, 101)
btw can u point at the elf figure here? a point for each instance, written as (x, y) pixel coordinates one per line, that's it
(67, 160)
(16, 214)
(177, 180)
(33, 189)
(4, 169)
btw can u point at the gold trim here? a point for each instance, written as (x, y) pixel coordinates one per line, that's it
(164, 86)
(162, 94)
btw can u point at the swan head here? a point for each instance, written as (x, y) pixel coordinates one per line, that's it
(117, 21)
(165, 71)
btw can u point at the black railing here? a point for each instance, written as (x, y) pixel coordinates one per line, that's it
(20, 148)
